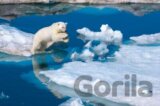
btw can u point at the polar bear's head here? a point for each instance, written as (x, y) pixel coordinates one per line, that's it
(60, 27)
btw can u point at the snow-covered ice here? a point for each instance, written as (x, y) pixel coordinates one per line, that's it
(107, 36)
(129, 60)
(147, 39)
(15, 42)
(86, 55)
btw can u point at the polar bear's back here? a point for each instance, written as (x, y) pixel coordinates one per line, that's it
(44, 34)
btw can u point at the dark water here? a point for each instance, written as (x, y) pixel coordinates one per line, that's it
(17, 79)
(22, 92)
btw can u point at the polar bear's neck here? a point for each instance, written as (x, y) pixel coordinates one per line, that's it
(54, 31)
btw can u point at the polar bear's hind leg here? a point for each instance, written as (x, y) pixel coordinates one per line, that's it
(36, 48)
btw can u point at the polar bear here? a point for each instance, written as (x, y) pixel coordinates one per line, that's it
(47, 36)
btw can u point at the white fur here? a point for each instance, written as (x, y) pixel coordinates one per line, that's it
(47, 36)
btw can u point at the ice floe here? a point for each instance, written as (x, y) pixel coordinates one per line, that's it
(73, 102)
(97, 42)
(147, 39)
(15, 42)
(130, 59)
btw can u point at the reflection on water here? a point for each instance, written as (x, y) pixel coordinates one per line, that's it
(41, 63)
(7, 58)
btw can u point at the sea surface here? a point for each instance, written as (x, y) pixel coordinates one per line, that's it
(19, 84)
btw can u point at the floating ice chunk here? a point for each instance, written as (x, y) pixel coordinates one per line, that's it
(73, 102)
(104, 28)
(117, 38)
(105, 38)
(100, 49)
(106, 35)
(86, 56)
(90, 52)
(15, 42)
(147, 39)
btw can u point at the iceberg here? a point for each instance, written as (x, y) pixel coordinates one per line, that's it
(147, 39)
(15, 42)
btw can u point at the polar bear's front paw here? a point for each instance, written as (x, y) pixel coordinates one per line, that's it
(63, 37)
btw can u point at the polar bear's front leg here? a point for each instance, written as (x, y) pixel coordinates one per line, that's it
(35, 48)
(62, 37)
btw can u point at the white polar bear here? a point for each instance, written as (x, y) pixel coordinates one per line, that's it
(47, 36)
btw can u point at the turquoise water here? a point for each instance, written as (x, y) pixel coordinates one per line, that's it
(18, 80)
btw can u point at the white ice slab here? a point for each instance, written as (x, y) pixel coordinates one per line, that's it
(143, 61)
(147, 39)
(15, 42)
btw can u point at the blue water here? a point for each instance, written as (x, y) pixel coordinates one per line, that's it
(129, 24)
(28, 91)
(20, 91)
